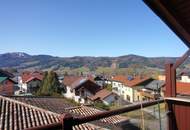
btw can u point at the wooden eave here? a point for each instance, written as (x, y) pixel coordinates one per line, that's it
(176, 14)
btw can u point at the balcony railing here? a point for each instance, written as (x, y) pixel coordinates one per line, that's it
(68, 121)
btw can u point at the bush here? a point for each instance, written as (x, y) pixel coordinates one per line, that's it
(101, 105)
(109, 87)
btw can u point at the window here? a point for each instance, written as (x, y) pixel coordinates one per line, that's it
(82, 92)
(115, 89)
(128, 98)
(116, 98)
(77, 93)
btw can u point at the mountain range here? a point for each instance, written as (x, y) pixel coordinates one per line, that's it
(19, 60)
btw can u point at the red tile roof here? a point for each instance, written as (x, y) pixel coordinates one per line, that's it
(28, 76)
(102, 94)
(131, 83)
(183, 88)
(32, 78)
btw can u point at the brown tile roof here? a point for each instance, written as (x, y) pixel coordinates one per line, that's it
(69, 80)
(56, 104)
(78, 83)
(87, 111)
(75, 82)
(87, 84)
(131, 83)
(60, 105)
(102, 94)
(16, 115)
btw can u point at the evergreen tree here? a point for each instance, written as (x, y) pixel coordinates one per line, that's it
(50, 84)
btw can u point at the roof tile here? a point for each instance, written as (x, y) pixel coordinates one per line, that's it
(131, 83)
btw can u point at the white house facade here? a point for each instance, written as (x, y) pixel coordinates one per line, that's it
(185, 79)
(76, 96)
(79, 89)
(21, 85)
(126, 87)
(127, 93)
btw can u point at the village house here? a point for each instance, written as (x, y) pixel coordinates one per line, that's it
(185, 77)
(84, 90)
(100, 80)
(79, 88)
(151, 91)
(162, 77)
(7, 84)
(30, 82)
(126, 87)
(104, 96)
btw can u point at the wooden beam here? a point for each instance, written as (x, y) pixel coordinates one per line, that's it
(173, 82)
(169, 84)
(169, 19)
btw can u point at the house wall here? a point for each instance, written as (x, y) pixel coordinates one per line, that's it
(7, 88)
(77, 98)
(82, 96)
(137, 96)
(21, 85)
(69, 94)
(127, 93)
(185, 79)
(162, 77)
(108, 82)
(86, 93)
(33, 86)
(29, 87)
(24, 87)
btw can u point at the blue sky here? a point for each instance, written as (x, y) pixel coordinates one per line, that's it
(85, 28)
